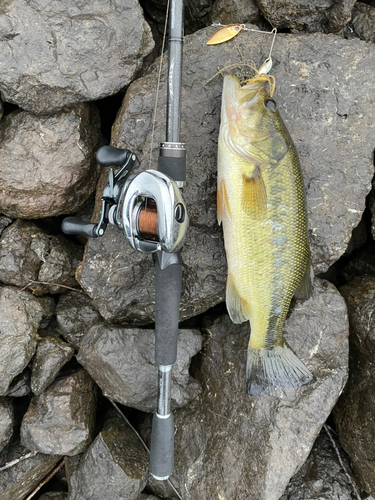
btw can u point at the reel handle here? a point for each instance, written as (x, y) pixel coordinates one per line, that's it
(73, 225)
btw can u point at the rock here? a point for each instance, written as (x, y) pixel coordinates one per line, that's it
(61, 420)
(230, 445)
(54, 495)
(234, 11)
(196, 13)
(358, 238)
(340, 14)
(76, 52)
(362, 263)
(49, 311)
(6, 421)
(307, 16)
(75, 315)
(59, 266)
(363, 21)
(321, 477)
(371, 200)
(51, 355)
(327, 114)
(29, 255)
(4, 222)
(147, 497)
(354, 412)
(18, 481)
(20, 316)
(47, 163)
(1, 108)
(115, 466)
(20, 385)
(121, 361)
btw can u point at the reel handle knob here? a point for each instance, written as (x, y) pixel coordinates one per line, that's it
(108, 156)
(73, 225)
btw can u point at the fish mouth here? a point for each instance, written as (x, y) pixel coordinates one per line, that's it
(234, 96)
(259, 81)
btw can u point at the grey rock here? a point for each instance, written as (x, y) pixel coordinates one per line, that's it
(6, 421)
(362, 263)
(49, 309)
(121, 361)
(231, 445)
(20, 316)
(234, 11)
(4, 222)
(20, 385)
(47, 163)
(59, 266)
(54, 495)
(148, 497)
(321, 477)
(363, 21)
(75, 314)
(323, 15)
(196, 13)
(340, 14)
(115, 466)
(354, 412)
(61, 420)
(371, 202)
(1, 108)
(18, 481)
(76, 52)
(19, 262)
(327, 114)
(29, 257)
(359, 237)
(51, 330)
(161, 489)
(51, 355)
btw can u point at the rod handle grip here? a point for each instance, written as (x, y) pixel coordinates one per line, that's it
(162, 447)
(167, 308)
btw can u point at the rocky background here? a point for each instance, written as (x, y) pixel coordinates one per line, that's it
(77, 378)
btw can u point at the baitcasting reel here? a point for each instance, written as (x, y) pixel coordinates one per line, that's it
(147, 206)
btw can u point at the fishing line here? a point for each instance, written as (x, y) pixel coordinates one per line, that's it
(158, 84)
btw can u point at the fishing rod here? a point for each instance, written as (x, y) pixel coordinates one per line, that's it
(150, 209)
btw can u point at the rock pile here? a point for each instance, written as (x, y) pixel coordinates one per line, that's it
(76, 335)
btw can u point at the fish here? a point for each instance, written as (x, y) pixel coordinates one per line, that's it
(262, 208)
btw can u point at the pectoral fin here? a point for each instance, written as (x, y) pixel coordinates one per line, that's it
(254, 195)
(222, 202)
(238, 308)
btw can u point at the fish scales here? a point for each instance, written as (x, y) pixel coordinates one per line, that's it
(261, 204)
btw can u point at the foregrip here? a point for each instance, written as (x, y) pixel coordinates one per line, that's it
(167, 308)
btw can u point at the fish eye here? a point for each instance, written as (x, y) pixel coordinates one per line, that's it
(270, 104)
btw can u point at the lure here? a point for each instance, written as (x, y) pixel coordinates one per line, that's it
(224, 34)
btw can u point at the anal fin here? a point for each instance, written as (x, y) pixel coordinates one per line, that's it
(238, 308)
(304, 288)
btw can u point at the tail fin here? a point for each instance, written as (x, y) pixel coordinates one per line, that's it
(276, 367)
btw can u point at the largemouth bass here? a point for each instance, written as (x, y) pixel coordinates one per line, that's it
(261, 204)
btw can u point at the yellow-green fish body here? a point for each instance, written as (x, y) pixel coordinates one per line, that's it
(261, 204)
